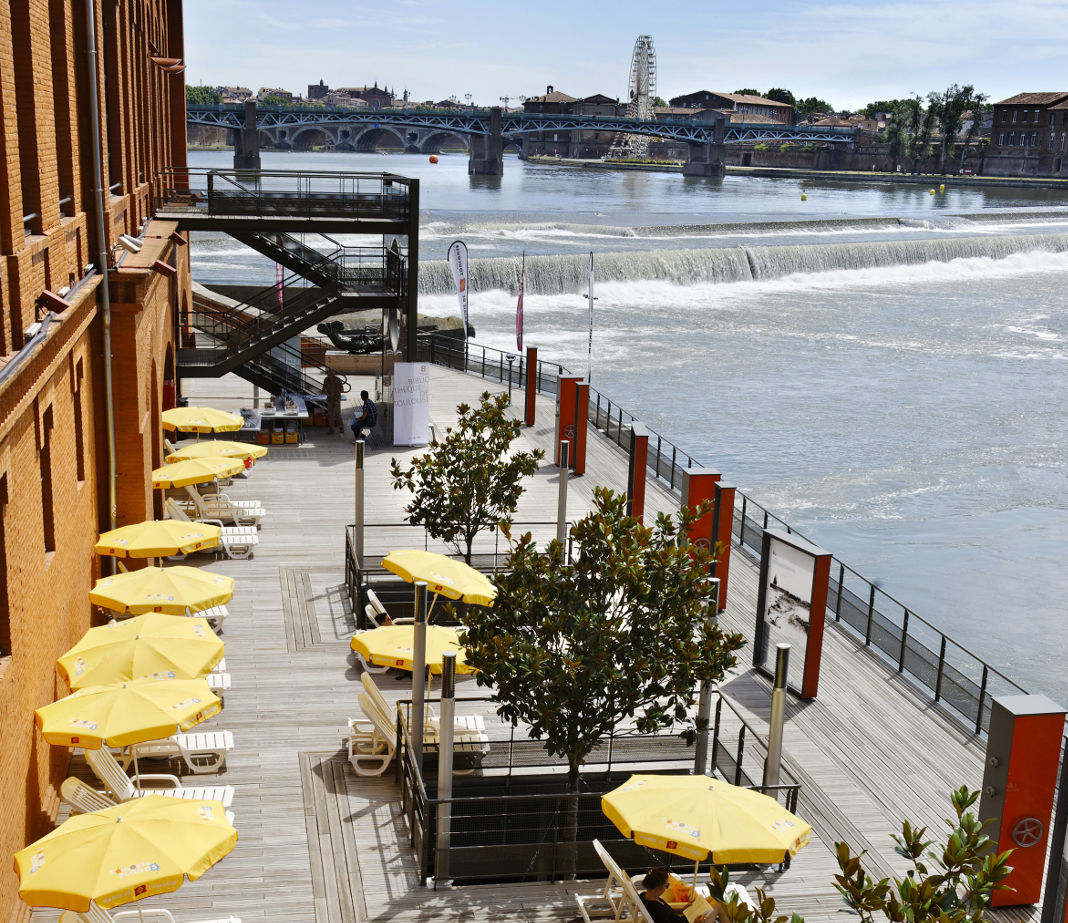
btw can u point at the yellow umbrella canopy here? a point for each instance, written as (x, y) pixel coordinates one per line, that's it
(217, 448)
(155, 538)
(393, 646)
(121, 714)
(697, 817)
(174, 590)
(134, 850)
(195, 471)
(447, 576)
(201, 420)
(152, 645)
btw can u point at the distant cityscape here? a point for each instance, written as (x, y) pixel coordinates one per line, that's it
(956, 131)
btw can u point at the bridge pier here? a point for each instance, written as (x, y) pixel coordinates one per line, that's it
(247, 141)
(708, 158)
(486, 156)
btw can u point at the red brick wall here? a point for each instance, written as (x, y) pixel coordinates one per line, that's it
(49, 461)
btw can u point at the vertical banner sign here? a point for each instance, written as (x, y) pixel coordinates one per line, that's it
(589, 346)
(458, 264)
(411, 403)
(519, 306)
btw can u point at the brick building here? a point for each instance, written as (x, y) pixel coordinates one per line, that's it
(741, 103)
(1029, 136)
(65, 293)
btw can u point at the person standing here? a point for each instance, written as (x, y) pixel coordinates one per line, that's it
(366, 418)
(332, 388)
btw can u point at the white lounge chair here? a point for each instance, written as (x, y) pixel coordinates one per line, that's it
(234, 541)
(122, 787)
(99, 915)
(201, 751)
(220, 506)
(372, 739)
(83, 798)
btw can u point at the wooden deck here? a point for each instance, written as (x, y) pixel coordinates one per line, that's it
(319, 844)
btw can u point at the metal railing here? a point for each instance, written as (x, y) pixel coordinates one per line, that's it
(265, 193)
(505, 825)
(957, 679)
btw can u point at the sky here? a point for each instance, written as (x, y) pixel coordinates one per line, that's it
(848, 54)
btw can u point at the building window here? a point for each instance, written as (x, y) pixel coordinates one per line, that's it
(79, 425)
(1062, 140)
(1052, 135)
(1034, 139)
(1014, 114)
(1004, 115)
(1001, 138)
(1012, 139)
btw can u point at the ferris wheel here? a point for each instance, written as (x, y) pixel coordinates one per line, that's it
(642, 78)
(640, 100)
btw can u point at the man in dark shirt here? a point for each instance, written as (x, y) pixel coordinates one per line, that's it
(366, 418)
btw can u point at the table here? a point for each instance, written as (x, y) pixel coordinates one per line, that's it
(295, 410)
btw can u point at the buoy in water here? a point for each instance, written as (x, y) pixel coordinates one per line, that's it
(931, 191)
(804, 197)
(942, 187)
(433, 158)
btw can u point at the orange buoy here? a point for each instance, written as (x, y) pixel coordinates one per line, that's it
(433, 158)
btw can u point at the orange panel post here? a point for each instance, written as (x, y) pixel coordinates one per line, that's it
(638, 470)
(532, 384)
(821, 576)
(566, 388)
(1022, 753)
(582, 413)
(723, 513)
(699, 485)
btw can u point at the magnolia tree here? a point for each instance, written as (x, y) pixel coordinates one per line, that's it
(951, 883)
(623, 632)
(470, 480)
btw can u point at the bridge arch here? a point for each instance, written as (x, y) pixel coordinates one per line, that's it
(434, 142)
(305, 139)
(384, 137)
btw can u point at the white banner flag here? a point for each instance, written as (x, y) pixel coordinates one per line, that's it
(589, 347)
(519, 306)
(458, 264)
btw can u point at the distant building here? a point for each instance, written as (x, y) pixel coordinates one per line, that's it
(374, 97)
(1029, 136)
(594, 143)
(742, 103)
(317, 91)
(552, 102)
(234, 94)
(283, 95)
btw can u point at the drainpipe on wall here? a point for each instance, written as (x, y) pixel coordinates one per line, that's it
(102, 257)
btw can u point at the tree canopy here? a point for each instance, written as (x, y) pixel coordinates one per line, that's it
(811, 104)
(469, 481)
(747, 91)
(202, 96)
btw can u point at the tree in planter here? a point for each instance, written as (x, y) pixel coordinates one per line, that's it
(953, 884)
(624, 631)
(468, 482)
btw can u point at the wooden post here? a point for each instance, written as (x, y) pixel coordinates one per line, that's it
(582, 413)
(638, 469)
(723, 514)
(566, 386)
(699, 485)
(532, 384)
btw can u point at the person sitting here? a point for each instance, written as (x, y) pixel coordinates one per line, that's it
(656, 883)
(366, 418)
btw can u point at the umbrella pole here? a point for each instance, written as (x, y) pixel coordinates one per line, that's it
(419, 674)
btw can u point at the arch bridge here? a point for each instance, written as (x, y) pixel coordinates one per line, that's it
(486, 133)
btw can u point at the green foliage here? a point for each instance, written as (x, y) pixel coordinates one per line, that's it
(762, 146)
(952, 883)
(470, 480)
(812, 104)
(658, 101)
(747, 91)
(949, 108)
(624, 631)
(781, 96)
(740, 913)
(202, 96)
(785, 147)
(882, 105)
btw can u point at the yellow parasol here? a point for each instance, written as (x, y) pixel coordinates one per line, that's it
(447, 576)
(195, 471)
(138, 849)
(698, 817)
(217, 448)
(201, 420)
(127, 713)
(151, 645)
(392, 646)
(178, 590)
(155, 538)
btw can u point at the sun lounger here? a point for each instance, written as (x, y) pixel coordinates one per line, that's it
(98, 915)
(618, 900)
(219, 506)
(122, 787)
(201, 751)
(82, 798)
(372, 740)
(234, 541)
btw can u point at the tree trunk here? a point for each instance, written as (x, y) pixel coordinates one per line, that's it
(569, 847)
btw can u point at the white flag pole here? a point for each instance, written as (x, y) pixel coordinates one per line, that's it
(589, 346)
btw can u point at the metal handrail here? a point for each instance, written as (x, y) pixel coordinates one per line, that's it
(964, 684)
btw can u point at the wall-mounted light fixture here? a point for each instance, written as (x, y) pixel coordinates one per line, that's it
(164, 269)
(132, 244)
(164, 62)
(177, 238)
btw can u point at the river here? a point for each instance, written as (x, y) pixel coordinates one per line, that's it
(883, 367)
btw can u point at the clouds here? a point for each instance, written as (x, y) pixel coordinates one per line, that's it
(847, 53)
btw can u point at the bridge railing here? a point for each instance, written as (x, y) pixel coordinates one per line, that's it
(308, 193)
(958, 679)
